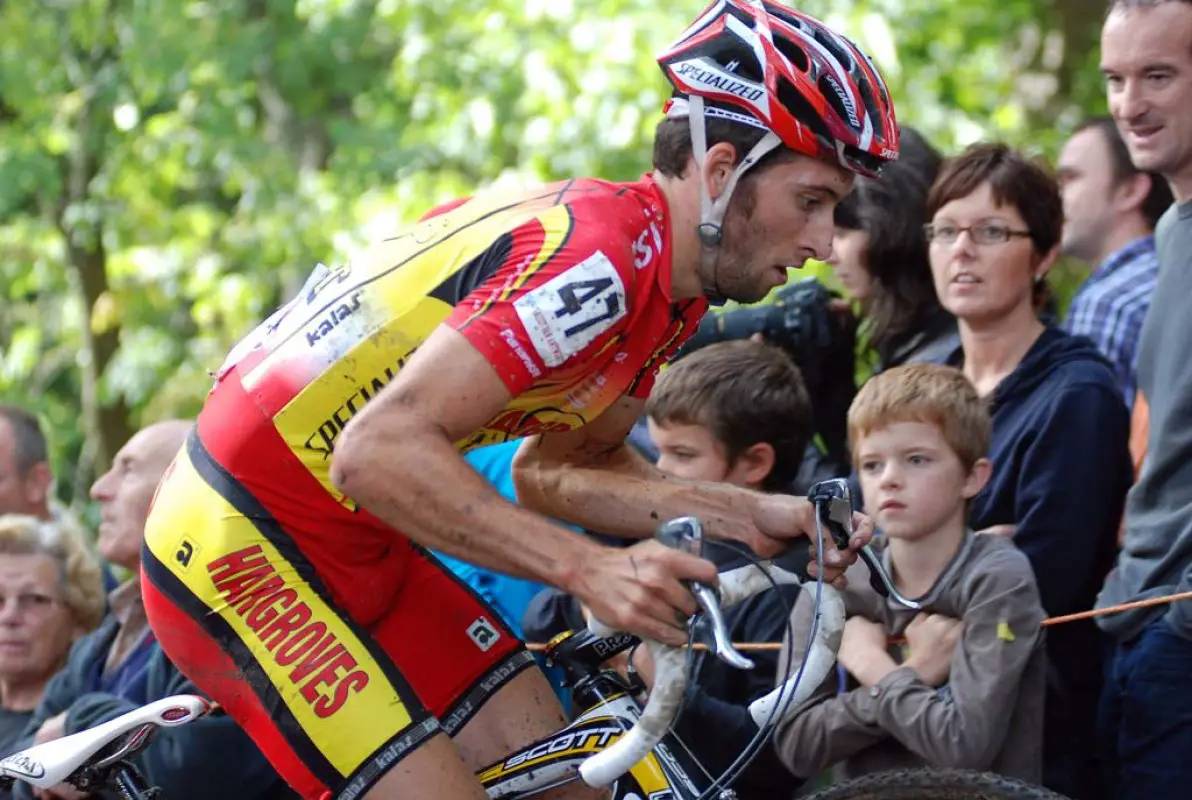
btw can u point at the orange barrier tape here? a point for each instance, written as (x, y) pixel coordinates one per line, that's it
(1097, 612)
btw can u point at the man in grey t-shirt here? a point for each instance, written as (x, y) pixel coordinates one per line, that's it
(1146, 709)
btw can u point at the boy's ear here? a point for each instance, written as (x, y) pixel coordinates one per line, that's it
(755, 463)
(977, 478)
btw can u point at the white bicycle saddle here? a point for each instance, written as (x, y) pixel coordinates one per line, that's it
(49, 764)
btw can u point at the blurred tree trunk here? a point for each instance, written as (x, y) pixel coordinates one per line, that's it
(1066, 56)
(1080, 23)
(80, 218)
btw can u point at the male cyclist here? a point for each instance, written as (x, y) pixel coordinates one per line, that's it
(285, 569)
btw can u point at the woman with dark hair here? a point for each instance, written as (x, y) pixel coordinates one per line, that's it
(879, 254)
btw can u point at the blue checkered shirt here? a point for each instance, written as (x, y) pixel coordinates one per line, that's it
(1110, 307)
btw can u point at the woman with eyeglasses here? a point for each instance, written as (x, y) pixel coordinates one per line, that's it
(1061, 465)
(51, 593)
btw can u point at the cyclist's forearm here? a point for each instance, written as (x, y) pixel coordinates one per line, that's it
(414, 480)
(622, 495)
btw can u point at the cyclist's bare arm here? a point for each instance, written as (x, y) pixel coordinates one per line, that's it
(591, 477)
(397, 459)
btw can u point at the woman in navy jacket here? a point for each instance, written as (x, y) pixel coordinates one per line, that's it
(1061, 464)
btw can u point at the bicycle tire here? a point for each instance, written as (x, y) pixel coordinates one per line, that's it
(934, 784)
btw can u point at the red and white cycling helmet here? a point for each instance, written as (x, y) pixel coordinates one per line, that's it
(759, 63)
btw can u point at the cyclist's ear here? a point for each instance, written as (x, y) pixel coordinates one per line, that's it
(719, 164)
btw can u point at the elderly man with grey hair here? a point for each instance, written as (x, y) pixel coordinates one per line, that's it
(120, 666)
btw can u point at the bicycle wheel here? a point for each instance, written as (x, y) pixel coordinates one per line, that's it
(934, 784)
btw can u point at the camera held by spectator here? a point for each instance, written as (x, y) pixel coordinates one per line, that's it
(799, 321)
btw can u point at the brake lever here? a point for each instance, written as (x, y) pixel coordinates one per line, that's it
(687, 534)
(834, 510)
(722, 643)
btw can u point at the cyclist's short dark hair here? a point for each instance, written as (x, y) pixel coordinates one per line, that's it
(30, 443)
(1014, 180)
(672, 150)
(744, 393)
(1159, 198)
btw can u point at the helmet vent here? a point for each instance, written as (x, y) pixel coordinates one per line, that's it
(800, 107)
(796, 54)
(832, 93)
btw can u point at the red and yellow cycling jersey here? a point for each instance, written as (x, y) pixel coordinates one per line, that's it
(565, 290)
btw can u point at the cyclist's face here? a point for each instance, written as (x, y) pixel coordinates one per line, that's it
(777, 219)
(912, 480)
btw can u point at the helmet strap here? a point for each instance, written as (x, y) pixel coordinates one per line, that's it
(710, 229)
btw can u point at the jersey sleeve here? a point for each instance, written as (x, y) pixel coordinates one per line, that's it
(439, 210)
(688, 314)
(547, 298)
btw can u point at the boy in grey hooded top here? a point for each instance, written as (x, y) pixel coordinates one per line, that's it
(966, 689)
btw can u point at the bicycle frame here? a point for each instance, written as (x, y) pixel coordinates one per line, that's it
(609, 711)
(630, 749)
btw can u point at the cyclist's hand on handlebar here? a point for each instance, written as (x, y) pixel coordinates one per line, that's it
(833, 562)
(639, 589)
(780, 518)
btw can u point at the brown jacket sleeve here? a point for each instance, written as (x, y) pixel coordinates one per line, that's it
(964, 724)
(828, 727)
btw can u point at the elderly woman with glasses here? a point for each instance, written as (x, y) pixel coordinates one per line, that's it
(1061, 466)
(51, 593)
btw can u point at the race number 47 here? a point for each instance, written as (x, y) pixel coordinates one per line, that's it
(568, 312)
(576, 296)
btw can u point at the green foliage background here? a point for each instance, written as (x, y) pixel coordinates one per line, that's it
(170, 171)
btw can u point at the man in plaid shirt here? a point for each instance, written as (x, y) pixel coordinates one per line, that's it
(1110, 211)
